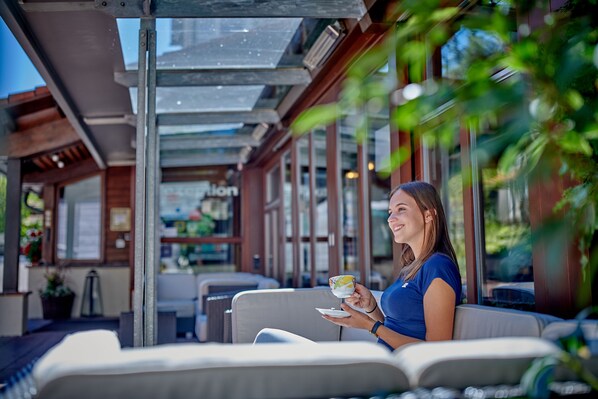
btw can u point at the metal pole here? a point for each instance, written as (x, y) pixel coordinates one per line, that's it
(151, 191)
(138, 322)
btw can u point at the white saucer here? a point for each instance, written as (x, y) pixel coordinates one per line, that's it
(333, 312)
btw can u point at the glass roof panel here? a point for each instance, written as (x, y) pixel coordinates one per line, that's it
(203, 98)
(212, 43)
(222, 128)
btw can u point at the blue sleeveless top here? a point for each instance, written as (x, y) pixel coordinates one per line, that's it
(403, 302)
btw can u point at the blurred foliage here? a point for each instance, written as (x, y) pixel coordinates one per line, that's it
(534, 88)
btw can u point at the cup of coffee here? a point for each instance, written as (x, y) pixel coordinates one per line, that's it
(342, 286)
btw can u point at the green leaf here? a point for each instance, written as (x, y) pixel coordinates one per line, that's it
(319, 115)
(575, 143)
(574, 99)
(397, 158)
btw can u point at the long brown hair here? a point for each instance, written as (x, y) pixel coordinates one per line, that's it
(436, 236)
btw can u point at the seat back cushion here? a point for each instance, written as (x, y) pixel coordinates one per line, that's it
(176, 286)
(222, 371)
(288, 309)
(221, 284)
(478, 321)
(479, 362)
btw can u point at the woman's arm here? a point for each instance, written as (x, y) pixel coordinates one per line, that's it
(439, 313)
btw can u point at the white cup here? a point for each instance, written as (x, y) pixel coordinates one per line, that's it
(342, 286)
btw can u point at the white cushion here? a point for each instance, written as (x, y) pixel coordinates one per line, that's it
(272, 335)
(478, 321)
(288, 309)
(175, 286)
(218, 371)
(459, 364)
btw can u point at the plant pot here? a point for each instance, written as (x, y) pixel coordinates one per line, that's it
(58, 307)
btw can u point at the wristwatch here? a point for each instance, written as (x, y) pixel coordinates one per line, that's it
(375, 328)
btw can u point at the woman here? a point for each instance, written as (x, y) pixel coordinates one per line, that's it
(420, 304)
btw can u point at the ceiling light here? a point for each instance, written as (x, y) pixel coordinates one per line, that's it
(55, 158)
(323, 46)
(259, 131)
(60, 164)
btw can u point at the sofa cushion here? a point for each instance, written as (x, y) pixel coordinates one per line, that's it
(175, 286)
(288, 309)
(272, 335)
(478, 321)
(479, 362)
(218, 371)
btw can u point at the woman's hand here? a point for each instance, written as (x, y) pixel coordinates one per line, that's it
(356, 320)
(362, 298)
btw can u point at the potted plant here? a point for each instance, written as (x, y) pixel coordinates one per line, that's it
(57, 298)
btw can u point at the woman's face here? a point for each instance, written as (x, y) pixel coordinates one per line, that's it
(406, 221)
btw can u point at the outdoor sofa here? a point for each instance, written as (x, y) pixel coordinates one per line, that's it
(290, 356)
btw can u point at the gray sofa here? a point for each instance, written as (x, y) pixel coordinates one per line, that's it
(186, 294)
(284, 349)
(293, 310)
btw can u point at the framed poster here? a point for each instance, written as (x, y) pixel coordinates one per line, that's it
(120, 219)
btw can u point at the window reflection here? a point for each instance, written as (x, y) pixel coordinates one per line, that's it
(79, 220)
(198, 223)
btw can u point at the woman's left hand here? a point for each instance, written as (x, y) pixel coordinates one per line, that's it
(356, 319)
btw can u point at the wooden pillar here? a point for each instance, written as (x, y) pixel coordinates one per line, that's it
(49, 235)
(13, 226)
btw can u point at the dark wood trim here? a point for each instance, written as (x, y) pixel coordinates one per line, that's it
(468, 218)
(202, 240)
(12, 228)
(49, 224)
(364, 228)
(295, 228)
(313, 214)
(252, 219)
(334, 200)
(281, 223)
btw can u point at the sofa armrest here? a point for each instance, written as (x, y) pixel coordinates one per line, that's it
(216, 305)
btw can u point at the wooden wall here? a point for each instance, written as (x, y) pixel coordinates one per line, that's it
(118, 195)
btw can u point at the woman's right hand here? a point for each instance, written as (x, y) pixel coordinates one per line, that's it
(362, 298)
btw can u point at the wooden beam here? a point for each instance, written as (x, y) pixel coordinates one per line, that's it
(43, 138)
(199, 118)
(174, 143)
(222, 77)
(235, 8)
(73, 171)
(58, 6)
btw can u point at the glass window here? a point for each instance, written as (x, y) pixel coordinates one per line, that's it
(198, 258)
(288, 221)
(304, 210)
(79, 220)
(379, 161)
(349, 210)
